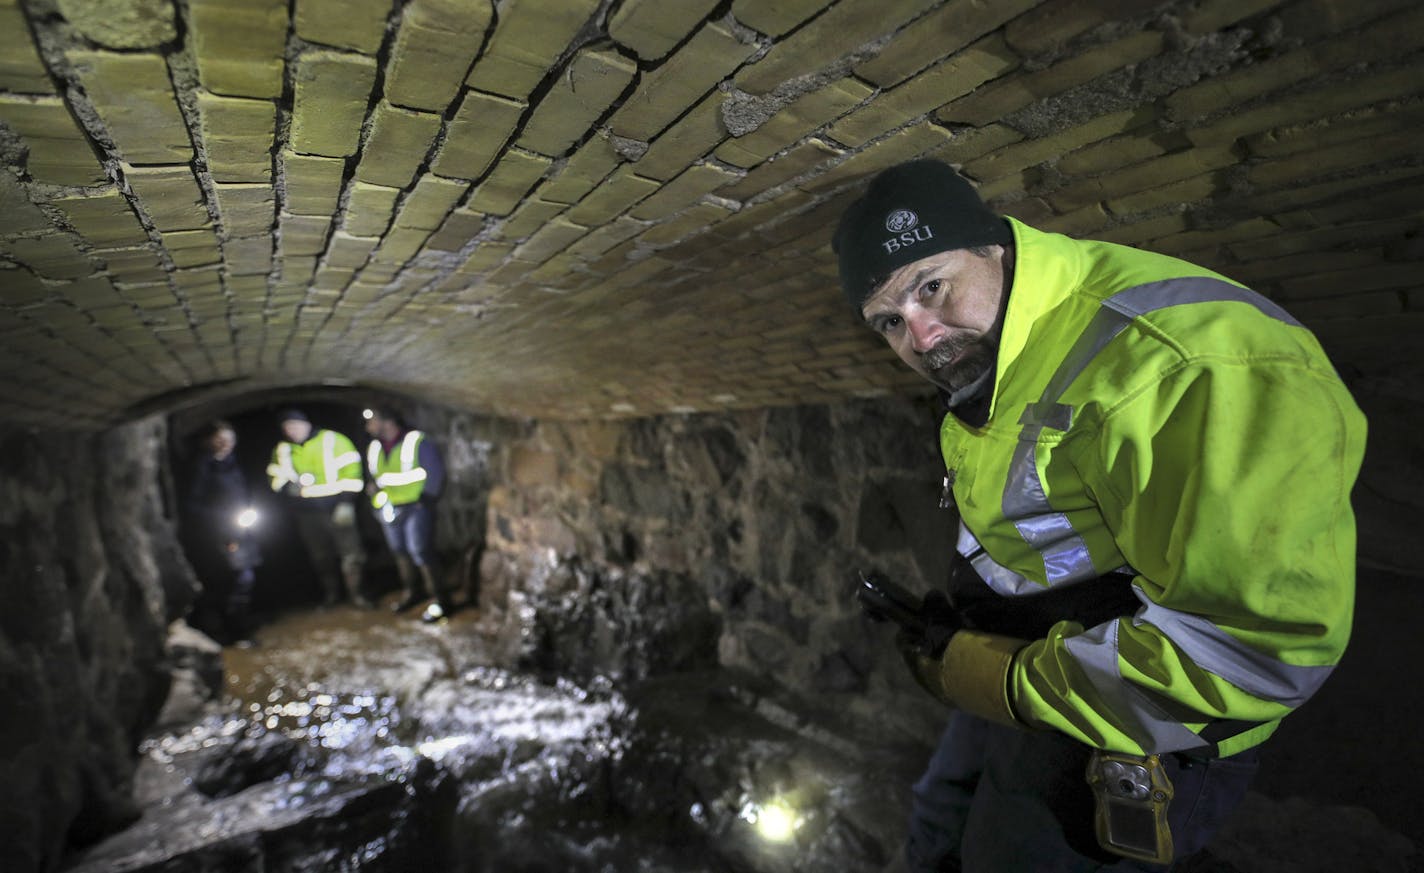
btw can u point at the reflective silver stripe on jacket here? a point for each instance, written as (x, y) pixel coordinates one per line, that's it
(1065, 555)
(1066, 558)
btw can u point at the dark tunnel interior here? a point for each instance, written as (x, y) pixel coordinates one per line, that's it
(586, 248)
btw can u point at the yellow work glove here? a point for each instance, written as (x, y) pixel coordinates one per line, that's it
(968, 669)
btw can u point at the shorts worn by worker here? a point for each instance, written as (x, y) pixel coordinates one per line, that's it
(995, 798)
(410, 531)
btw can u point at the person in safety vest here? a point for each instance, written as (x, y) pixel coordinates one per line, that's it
(1152, 469)
(319, 470)
(406, 478)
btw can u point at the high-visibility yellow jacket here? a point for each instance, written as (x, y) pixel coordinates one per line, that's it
(326, 465)
(398, 474)
(1151, 415)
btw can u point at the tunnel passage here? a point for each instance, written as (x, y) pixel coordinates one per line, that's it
(600, 230)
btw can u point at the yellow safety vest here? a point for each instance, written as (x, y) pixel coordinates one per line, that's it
(399, 478)
(325, 465)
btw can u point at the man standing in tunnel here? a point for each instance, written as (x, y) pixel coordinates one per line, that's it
(1152, 467)
(407, 477)
(319, 470)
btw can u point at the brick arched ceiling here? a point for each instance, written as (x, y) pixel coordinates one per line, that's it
(575, 208)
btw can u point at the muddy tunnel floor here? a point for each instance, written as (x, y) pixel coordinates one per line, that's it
(362, 740)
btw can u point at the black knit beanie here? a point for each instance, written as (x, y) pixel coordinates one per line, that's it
(910, 211)
(293, 415)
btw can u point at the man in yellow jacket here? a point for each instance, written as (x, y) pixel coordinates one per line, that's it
(319, 470)
(1152, 467)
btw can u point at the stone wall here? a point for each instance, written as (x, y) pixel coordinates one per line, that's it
(92, 575)
(631, 548)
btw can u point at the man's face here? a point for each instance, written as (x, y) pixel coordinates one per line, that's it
(221, 443)
(941, 314)
(296, 430)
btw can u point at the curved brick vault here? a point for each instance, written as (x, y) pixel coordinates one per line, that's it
(591, 208)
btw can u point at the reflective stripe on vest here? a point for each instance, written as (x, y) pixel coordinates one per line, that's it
(1067, 561)
(1065, 555)
(332, 482)
(403, 484)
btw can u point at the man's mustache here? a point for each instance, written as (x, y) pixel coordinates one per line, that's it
(945, 351)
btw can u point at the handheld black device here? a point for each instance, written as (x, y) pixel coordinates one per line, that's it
(883, 600)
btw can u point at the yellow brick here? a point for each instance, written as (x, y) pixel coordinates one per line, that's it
(397, 145)
(348, 251)
(245, 210)
(240, 46)
(530, 35)
(303, 234)
(935, 35)
(433, 49)
(369, 209)
(474, 137)
(400, 245)
(1032, 152)
(614, 195)
(1345, 156)
(842, 29)
(430, 201)
(313, 184)
(330, 102)
(774, 19)
(901, 146)
(508, 182)
(678, 82)
(237, 137)
(782, 169)
(352, 24)
(1053, 23)
(685, 224)
(1324, 102)
(956, 76)
(248, 256)
(192, 248)
(651, 28)
(798, 118)
(966, 144)
(1298, 196)
(1012, 93)
(693, 136)
(606, 237)
(59, 152)
(682, 191)
(1141, 177)
(1404, 274)
(21, 69)
(104, 219)
(1119, 151)
(135, 100)
(53, 256)
(17, 213)
(1191, 190)
(583, 92)
(486, 257)
(579, 175)
(532, 214)
(553, 237)
(170, 196)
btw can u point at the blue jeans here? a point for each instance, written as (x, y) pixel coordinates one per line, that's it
(996, 798)
(411, 531)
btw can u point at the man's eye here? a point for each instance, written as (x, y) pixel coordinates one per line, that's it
(889, 323)
(930, 288)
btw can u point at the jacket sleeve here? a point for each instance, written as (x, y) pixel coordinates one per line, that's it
(434, 467)
(1226, 486)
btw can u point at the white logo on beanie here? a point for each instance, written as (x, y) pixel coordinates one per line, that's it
(901, 220)
(907, 229)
